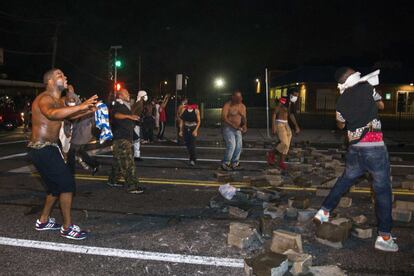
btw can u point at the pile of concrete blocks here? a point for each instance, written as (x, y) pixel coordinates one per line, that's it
(403, 211)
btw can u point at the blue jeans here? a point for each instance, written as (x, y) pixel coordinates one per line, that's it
(375, 161)
(233, 140)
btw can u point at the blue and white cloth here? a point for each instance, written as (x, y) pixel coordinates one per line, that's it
(102, 122)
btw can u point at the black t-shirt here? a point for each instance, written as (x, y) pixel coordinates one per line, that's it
(122, 129)
(357, 107)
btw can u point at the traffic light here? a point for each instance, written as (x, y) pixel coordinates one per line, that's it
(117, 86)
(118, 63)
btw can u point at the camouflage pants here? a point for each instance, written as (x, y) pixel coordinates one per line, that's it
(123, 164)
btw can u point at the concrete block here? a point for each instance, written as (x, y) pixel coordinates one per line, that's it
(266, 195)
(266, 264)
(345, 202)
(362, 232)
(292, 212)
(266, 180)
(299, 202)
(328, 270)
(272, 171)
(274, 212)
(265, 226)
(361, 219)
(322, 192)
(237, 212)
(284, 240)
(334, 233)
(406, 205)
(306, 215)
(401, 215)
(407, 184)
(241, 235)
(300, 262)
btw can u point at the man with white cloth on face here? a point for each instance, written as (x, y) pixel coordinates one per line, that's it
(137, 109)
(357, 107)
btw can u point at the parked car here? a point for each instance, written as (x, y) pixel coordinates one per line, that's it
(10, 117)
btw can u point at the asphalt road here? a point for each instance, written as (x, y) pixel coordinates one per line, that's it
(169, 230)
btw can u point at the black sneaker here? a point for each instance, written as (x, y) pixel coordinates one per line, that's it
(114, 185)
(225, 167)
(236, 166)
(135, 190)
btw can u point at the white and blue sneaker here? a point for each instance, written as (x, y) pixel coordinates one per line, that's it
(388, 245)
(73, 232)
(321, 216)
(50, 224)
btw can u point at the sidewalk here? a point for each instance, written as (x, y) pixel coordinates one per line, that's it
(258, 137)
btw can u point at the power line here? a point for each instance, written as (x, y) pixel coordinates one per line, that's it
(14, 17)
(27, 53)
(82, 70)
(25, 34)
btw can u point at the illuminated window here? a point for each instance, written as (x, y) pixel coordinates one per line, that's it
(388, 96)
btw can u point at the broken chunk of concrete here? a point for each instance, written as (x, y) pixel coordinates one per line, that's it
(405, 205)
(265, 226)
(274, 212)
(401, 215)
(300, 262)
(361, 219)
(292, 212)
(237, 212)
(306, 215)
(284, 240)
(302, 181)
(328, 270)
(266, 264)
(345, 202)
(330, 183)
(299, 202)
(362, 232)
(266, 196)
(272, 171)
(241, 235)
(334, 233)
(266, 180)
(407, 184)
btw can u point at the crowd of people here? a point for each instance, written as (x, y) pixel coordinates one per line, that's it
(133, 121)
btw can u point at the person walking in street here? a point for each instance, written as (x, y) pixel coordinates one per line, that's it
(189, 125)
(123, 123)
(162, 118)
(48, 112)
(81, 136)
(284, 111)
(357, 109)
(180, 109)
(138, 109)
(234, 120)
(149, 122)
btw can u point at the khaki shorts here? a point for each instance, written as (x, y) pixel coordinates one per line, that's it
(285, 136)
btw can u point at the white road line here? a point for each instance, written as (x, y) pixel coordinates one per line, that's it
(13, 142)
(13, 156)
(123, 253)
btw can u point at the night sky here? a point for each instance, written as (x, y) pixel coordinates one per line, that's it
(203, 39)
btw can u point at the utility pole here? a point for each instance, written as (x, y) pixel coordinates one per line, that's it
(55, 41)
(139, 72)
(116, 48)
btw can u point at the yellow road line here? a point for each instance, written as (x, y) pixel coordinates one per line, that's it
(205, 183)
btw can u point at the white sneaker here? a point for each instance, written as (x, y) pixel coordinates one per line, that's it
(386, 245)
(321, 217)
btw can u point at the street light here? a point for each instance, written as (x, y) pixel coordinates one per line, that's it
(162, 82)
(219, 83)
(258, 86)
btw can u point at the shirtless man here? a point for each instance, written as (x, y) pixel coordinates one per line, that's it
(233, 116)
(48, 112)
(284, 111)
